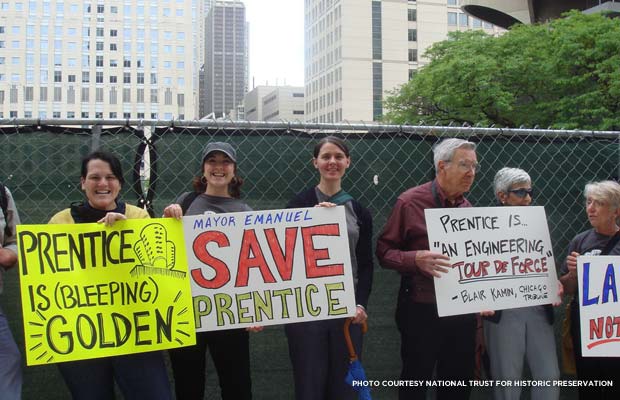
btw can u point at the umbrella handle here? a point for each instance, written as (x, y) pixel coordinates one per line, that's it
(347, 338)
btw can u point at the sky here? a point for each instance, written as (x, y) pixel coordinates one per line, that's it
(276, 41)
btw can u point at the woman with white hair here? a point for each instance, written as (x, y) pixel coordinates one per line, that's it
(514, 334)
(603, 210)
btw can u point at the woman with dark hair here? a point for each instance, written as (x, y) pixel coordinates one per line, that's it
(140, 375)
(216, 190)
(317, 349)
(603, 211)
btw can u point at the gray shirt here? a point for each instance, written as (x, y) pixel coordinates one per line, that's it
(216, 204)
(12, 219)
(353, 230)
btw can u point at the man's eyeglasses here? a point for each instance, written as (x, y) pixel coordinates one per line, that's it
(521, 193)
(467, 166)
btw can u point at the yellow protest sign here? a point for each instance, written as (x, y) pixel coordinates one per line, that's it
(92, 291)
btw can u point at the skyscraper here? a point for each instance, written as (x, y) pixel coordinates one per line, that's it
(356, 51)
(98, 59)
(226, 58)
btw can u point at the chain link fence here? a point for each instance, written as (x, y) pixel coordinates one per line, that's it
(40, 163)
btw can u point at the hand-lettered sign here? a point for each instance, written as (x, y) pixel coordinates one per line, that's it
(92, 291)
(269, 267)
(597, 278)
(501, 258)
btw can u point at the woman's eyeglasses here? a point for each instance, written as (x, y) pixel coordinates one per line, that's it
(521, 193)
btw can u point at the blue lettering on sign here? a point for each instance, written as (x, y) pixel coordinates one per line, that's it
(609, 286)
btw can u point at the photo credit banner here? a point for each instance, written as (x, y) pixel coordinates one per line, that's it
(501, 258)
(598, 305)
(92, 291)
(269, 267)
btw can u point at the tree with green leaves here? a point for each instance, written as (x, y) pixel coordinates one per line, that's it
(561, 74)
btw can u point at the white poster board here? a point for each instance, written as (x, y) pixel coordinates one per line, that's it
(269, 267)
(598, 305)
(501, 258)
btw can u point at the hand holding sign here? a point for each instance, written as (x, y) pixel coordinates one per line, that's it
(431, 264)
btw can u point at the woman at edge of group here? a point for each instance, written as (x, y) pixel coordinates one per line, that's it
(516, 333)
(140, 375)
(603, 211)
(217, 190)
(317, 349)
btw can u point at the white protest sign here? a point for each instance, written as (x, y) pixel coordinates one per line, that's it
(269, 267)
(501, 258)
(598, 305)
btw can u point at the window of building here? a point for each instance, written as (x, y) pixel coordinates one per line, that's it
(71, 78)
(85, 76)
(99, 95)
(476, 23)
(70, 95)
(140, 95)
(100, 8)
(153, 96)
(412, 35)
(57, 76)
(58, 94)
(85, 95)
(28, 93)
(412, 14)
(463, 19)
(99, 46)
(451, 2)
(113, 47)
(113, 96)
(168, 97)
(126, 95)
(113, 32)
(112, 115)
(126, 77)
(413, 55)
(98, 61)
(181, 100)
(113, 79)
(140, 78)
(99, 77)
(43, 93)
(452, 18)
(84, 114)
(70, 114)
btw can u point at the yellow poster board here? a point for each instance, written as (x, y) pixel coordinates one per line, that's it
(92, 291)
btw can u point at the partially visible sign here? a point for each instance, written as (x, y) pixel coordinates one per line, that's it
(598, 303)
(269, 267)
(501, 258)
(92, 291)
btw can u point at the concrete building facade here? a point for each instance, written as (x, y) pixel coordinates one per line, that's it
(357, 51)
(505, 13)
(99, 59)
(274, 103)
(226, 58)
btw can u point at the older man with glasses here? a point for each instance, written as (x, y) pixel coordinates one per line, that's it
(428, 341)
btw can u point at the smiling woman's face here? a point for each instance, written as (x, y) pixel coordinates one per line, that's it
(100, 185)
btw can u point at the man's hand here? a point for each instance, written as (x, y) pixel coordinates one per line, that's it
(432, 263)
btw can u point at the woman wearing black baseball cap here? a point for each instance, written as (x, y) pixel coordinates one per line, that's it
(218, 190)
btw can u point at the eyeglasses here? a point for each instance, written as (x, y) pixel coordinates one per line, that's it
(521, 193)
(465, 166)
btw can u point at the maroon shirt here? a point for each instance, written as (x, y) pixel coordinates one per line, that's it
(405, 233)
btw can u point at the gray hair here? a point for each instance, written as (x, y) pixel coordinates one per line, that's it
(506, 178)
(444, 150)
(607, 191)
